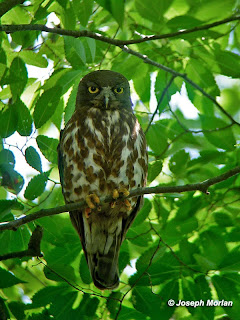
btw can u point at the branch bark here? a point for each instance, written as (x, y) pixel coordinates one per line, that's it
(123, 45)
(201, 186)
(178, 74)
(97, 36)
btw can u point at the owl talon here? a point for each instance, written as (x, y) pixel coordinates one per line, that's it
(116, 192)
(127, 204)
(87, 212)
(113, 204)
(92, 200)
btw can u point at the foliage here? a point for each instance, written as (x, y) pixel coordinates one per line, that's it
(186, 246)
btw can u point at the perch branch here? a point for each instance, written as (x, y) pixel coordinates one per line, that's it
(201, 186)
(116, 42)
(33, 249)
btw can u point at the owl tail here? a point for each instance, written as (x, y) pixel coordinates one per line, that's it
(104, 267)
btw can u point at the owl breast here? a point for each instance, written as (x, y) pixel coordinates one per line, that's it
(102, 151)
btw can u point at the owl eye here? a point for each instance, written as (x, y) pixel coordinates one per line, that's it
(93, 89)
(118, 90)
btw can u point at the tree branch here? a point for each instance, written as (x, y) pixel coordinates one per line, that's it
(33, 247)
(123, 45)
(178, 74)
(201, 186)
(116, 42)
(7, 5)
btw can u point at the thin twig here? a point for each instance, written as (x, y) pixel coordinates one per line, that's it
(201, 186)
(159, 102)
(178, 74)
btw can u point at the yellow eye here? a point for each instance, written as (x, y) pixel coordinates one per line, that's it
(93, 89)
(118, 90)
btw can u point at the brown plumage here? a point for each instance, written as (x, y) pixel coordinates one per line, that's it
(102, 151)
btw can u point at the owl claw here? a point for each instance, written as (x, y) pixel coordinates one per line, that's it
(87, 212)
(116, 194)
(92, 200)
(113, 204)
(127, 204)
(122, 190)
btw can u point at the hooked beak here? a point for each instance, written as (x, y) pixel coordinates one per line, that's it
(106, 100)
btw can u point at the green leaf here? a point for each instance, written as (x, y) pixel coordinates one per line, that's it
(48, 147)
(24, 125)
(58, 114)
(83, 9)
(8, 121)
(229, 63)
(17, 308)
(202, 76)
(143, 213)
(70, 107)
(142, 85)
(8, 279)
(116, 8)
(223, 139)
(145, 301)
(47, 295)
(36, 186)
(169, 291)
(113, 303)
(157, 137)
(183, 22)
(75, 52)
(62, 309)
(6, 156)
(232, 261)
(214, 247)
(227, 291)
(130, 314)
(178, 162)
(33, 158)
(46, 106)
(84, 270)
(152, 10)
(33, 58)
(7, 205)
(223, 219)
(61, 272)
(18, 76)
(88, 306)
(11, 179)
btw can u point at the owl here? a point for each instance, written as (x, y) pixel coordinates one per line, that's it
(102, 152)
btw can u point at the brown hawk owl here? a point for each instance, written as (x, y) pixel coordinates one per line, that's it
(102, 152)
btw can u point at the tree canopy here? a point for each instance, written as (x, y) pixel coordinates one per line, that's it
(182, 59)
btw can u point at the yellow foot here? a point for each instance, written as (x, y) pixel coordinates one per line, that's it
(92, 201)
(117, 193)
(87, 212)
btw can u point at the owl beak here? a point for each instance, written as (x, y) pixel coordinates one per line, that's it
(107, 96)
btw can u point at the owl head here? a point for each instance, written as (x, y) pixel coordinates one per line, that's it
(104, 89)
